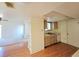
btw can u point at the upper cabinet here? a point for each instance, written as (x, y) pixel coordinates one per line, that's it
(55, 25)
(45, 24)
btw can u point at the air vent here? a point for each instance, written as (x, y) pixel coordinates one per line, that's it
(9, 4)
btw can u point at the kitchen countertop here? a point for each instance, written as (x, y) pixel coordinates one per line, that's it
(47, 34)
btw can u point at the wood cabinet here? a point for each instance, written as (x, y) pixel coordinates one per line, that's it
(55, 25)
(45, 24)
(50, 39)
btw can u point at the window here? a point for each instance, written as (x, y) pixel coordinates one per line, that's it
(49, 26)
(0, 31)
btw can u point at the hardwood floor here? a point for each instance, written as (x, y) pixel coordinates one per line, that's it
(15, 50)
(21, 50)
(57, 50)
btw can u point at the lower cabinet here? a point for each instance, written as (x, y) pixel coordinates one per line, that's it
(49, 39)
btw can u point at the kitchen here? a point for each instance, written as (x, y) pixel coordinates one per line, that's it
(51, 33)
(52, 27)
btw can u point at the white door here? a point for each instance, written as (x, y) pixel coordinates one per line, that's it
(73, 32)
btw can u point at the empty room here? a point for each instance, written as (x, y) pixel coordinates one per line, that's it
(39, 29)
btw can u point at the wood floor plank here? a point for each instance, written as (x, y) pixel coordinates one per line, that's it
(56, 50)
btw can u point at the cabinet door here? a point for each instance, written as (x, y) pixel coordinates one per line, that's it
(45, 24)
(47, 40)
(53, 39)
(55, 25)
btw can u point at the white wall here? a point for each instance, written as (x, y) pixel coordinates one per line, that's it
(11, 33)
(0, 31)
(73, 30)
(11, 30)
(37, 34)
(63, 30)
